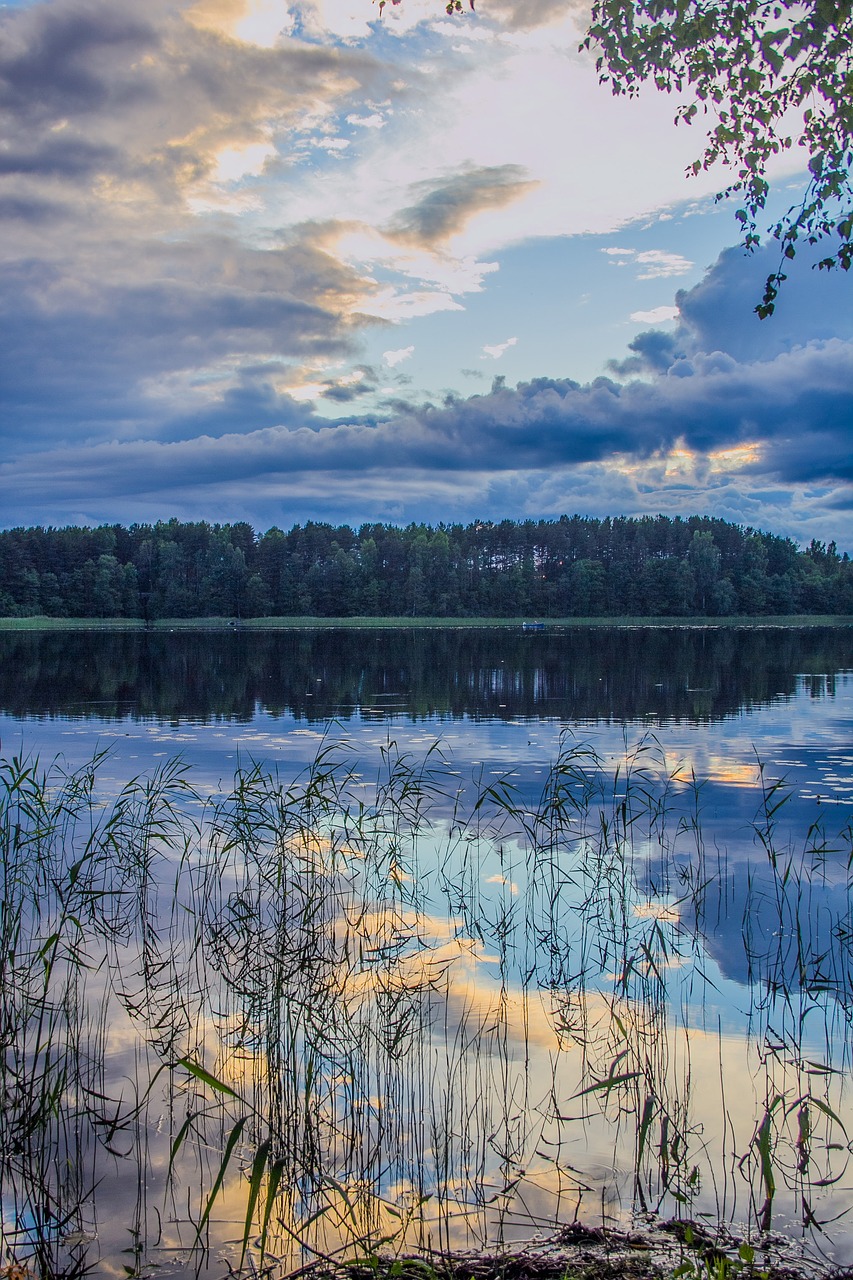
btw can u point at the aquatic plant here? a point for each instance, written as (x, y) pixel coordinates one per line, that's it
(342, 1017)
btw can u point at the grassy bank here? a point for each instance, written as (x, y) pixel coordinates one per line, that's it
(405, 623)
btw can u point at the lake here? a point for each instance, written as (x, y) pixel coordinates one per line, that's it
(431, 938)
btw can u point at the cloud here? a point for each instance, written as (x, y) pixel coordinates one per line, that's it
(349, 389)
(718, 314)
(373, 121)
(656, 316)
(812, 306)
(126, 351)
(393, 358)
(522, 15)
(766, 440)
(135, 313)
(655, 350)
(57, 157)
(496, 351)
(334, 145)
(655, 264)
(154, 95)
(798, 402)
(443, 208)
(260, 22)
(190, 251)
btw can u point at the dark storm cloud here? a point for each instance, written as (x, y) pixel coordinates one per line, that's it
(442, 209)
(800, 402)
(787, 380)
(654, 352)
(719, 313)
(796, 403)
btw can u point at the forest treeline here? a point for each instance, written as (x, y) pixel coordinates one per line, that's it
(577, 566)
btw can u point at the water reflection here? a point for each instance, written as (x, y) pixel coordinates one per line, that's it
(568, 673)
(362, 1006)
(436, 969)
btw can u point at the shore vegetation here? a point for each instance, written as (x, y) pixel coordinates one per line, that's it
(574, 567)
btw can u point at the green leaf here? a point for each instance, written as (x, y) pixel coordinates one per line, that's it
(179, 1140)
(608, 1083)
(827, 1111)
(275, 1177)
(256, 1177)
(201, 1074)
(233, 1139)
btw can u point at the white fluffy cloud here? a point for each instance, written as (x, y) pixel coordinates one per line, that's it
(393, 358)
(498, 349)
(652, 264)
(657, 315)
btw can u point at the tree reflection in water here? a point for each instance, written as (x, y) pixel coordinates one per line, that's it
(601, 673)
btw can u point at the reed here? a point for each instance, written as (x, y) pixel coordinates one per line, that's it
(341, 1017)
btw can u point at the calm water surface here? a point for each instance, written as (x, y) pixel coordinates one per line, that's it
(601, 963)
(717, 698)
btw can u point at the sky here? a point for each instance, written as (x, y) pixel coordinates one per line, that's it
(277, 262)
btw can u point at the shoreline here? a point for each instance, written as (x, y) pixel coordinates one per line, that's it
(755, 623)
(654, 1249)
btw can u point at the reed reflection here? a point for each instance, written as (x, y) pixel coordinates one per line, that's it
(345, 1012)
